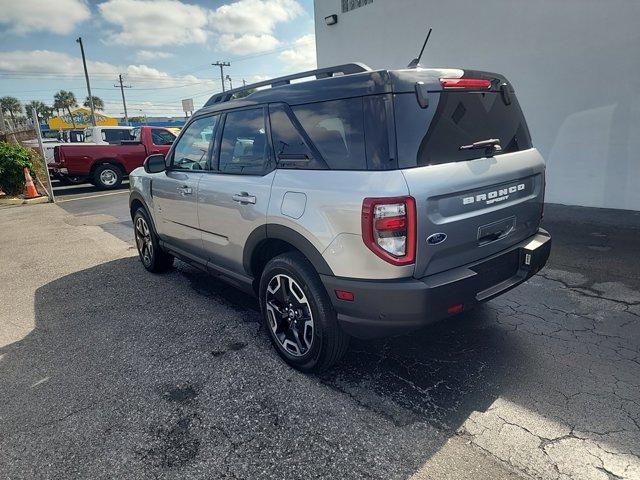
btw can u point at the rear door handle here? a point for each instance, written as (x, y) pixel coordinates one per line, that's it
(244, 198)
(185, 190)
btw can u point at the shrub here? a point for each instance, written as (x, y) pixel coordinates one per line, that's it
(13, 159)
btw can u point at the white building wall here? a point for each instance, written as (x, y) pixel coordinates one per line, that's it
(575, 65)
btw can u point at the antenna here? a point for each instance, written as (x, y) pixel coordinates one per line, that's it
(415, 63)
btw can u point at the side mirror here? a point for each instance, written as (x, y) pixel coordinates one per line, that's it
(154, 163)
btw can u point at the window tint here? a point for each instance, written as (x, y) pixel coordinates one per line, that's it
(115, 136)
(162, 137)
(244, 148)
(434, 136)
(192, 150)
(336, 129)
(291, 149)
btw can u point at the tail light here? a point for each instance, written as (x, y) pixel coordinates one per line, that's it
(389, 228)
(465, 83)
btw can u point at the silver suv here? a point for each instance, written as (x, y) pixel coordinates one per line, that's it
(360, 203)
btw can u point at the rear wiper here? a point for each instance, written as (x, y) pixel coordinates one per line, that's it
(491, 146)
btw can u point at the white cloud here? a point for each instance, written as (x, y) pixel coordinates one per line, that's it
(146, 55)
(302, 54)
(46, 62)
(254, 16)
(59, 16)
(246, 44)
(247, 26)
(154, 23)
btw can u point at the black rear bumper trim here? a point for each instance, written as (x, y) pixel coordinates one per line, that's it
(390, 307)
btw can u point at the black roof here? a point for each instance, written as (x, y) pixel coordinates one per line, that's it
(342, 81)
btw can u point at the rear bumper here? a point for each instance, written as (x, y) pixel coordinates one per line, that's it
(389, 307)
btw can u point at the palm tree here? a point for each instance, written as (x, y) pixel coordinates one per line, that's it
(12, 106)
(44, 111)
(98, 104)
(65, 100)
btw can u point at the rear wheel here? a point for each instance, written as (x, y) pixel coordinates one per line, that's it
(107, 176)
(151, 254)
(298, 314)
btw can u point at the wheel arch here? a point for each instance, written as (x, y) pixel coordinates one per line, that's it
(106, 161)
(267, 241)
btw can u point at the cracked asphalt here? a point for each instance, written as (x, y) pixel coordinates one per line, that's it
(107, 371)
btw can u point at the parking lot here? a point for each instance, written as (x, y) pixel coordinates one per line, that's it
(107, 371)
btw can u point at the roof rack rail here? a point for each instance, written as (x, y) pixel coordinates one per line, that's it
(346, 69)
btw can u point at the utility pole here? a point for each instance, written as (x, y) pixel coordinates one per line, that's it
(221, 65)
(230, 84)
(124, 102)
(86, 76)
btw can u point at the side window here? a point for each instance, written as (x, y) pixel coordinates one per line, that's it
(136, 134)
(291, 149)
(244, 148)
(162, 137)
(115, 136)
(336, 129)
(192, 150)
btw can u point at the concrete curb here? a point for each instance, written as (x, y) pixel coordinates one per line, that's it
(23, 201)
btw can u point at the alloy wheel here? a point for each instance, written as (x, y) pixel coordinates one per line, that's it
(143, 241)
(289, 315)
(108, 177)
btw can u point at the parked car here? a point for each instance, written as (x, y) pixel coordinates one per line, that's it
(365, 204)
(106, 165)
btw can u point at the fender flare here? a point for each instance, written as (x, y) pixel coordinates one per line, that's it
(288, 235)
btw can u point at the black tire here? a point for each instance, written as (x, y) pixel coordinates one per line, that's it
(153, 258)
(328, 341)
(107, 176)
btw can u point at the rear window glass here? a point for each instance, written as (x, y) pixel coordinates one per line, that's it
(460, 118)
(244, 148)
(336, 129)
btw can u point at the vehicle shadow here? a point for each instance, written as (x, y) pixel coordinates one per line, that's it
(132, 372)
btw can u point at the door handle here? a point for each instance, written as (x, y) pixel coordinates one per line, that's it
(186, 190)
(244, 198)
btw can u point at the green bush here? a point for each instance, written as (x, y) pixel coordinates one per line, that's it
(13, 159)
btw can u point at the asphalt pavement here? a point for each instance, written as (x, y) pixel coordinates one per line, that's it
(107, 371)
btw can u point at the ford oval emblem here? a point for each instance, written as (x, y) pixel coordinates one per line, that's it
(436, 238)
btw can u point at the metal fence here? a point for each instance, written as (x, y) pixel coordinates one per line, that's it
(26, 132)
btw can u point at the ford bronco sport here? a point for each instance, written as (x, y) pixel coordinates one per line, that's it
(360, 203)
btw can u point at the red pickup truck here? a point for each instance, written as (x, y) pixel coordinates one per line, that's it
(106, 165)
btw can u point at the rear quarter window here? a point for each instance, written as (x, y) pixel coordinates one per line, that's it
(336, 128)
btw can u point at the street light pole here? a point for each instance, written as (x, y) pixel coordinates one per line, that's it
(221, 65)
(86, 76)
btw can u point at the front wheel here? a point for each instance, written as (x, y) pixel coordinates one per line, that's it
(151, 254)
(298, 314)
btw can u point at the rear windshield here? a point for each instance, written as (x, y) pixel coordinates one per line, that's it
(433, 136)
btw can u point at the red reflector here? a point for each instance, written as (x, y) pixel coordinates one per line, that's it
(465, 83)
(455, 309)
(391, 223)
(344, 295)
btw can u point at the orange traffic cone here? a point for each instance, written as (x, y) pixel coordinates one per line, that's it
(31, 188)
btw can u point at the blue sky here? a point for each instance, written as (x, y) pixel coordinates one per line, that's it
(164, 48)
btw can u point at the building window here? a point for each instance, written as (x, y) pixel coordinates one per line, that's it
(348, 5)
